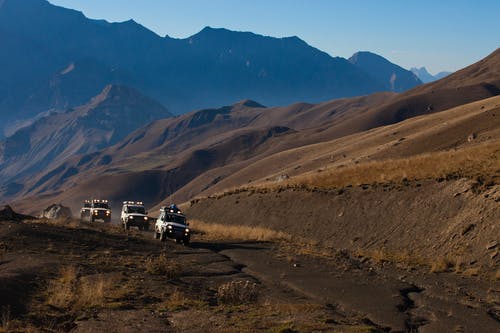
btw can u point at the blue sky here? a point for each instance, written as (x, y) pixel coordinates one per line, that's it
(441, 35)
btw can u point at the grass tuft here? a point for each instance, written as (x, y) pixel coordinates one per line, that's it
(237, 292)
(441, 265)
(163, 266)
(74, 292)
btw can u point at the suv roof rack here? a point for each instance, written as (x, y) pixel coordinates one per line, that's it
(133, 203)
(169, 209)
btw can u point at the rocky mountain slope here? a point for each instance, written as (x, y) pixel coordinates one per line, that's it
(393, 77)
(50, 140)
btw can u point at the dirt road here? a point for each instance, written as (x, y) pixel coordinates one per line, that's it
(296, 290)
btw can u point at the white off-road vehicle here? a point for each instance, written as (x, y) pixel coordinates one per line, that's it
(96, 209)
(85, 211)
(172, 224)
(134, 214)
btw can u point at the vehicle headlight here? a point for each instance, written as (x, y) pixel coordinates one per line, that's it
(108, 212)
(130, 217)
(145, 218)
(169, 226)
(187, 230)
(95, 212)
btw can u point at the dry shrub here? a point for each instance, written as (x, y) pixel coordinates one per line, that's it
(221, 231)
(237, 292)
(473, 271)
(92, 291)
(5, 318)
(179, 301)
(62, 291)
(442, 265)
(401, 257)
(161, 265)
(71, 291)
(467, 162)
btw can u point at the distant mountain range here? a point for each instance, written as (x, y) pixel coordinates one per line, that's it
(427, 77)
(55, 58)
(211, 149)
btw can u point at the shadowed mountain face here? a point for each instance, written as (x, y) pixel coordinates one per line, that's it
(57, 58)
(393, 77)
(48, 141)
(427, 77)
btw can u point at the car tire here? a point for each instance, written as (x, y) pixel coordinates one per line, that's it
(145, 227)
(186, 241)
(127, 227)
(156, 234)
(92, 219)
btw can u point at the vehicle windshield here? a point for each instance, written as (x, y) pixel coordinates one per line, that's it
(136, 209)
(101, 205)
(175, 218)
(86, 205)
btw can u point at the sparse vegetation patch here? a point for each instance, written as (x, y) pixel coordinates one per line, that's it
(161, 265)
(220, 231)
(71, 291)
(237, 292)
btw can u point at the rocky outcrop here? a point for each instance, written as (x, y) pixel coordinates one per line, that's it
(56, 211)
(8, 214)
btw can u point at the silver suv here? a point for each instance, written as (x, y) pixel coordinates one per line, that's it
(172, 224)
(95, 209)
(134, 214)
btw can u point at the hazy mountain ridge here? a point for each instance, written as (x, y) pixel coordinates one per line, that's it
(213, 67)
(427, 77)
(393, 77)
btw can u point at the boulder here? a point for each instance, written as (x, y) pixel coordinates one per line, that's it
(56, 211)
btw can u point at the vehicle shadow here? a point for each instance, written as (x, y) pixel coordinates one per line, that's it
(222, 246)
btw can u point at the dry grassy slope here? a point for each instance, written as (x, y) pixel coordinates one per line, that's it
(425, 134)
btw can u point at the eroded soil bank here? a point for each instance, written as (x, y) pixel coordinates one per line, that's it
(415, 222)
